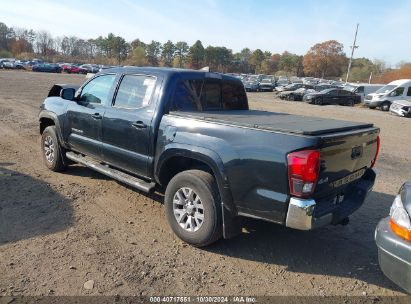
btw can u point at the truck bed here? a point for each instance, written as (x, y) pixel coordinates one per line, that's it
(280, 122)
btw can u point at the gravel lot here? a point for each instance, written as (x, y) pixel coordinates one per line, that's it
(58, 231)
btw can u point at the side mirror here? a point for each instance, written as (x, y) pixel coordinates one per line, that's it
(67, 93)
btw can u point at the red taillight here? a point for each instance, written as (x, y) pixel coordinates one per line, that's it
(303, 172)
(376, 152)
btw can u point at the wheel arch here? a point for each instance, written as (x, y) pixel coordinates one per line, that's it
(177, 158)
(46, 119)
(385, 102)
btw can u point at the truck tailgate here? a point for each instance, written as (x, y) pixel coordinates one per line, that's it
(344, 158)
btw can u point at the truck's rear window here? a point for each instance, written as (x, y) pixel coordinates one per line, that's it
(211, 94)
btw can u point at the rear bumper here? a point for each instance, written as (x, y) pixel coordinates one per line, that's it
(394, 255)
(307, 214)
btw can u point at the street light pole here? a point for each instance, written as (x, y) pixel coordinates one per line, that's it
(353, 47)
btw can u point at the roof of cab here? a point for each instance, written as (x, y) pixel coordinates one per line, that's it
(168, 72)
(400, 82)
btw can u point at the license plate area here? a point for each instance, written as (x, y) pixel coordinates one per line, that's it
(348, 179)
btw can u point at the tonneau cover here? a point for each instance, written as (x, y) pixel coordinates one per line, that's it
(281, 122)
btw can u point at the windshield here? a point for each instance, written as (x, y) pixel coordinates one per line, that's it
(350, 88)
(386, 89)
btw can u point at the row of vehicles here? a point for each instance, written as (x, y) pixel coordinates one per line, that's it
(394, 97)
(38, 65)
(319, 94)
(269, 83)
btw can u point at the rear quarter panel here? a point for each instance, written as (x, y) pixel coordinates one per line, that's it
(254, 161)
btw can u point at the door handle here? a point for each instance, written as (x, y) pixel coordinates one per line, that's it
(96, 116)
(139, 125)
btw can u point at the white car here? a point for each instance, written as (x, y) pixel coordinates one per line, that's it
(385, 96)
(401, 108)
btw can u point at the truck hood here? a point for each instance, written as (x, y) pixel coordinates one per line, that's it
(279, 122)
(404, 103)
(377, 95)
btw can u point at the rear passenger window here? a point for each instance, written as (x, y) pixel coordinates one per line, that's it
(212, 94)
(187, 96)
(134, 91)
(409, 91)
(234, 97)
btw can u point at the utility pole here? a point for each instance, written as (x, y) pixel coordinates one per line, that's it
(353, 47)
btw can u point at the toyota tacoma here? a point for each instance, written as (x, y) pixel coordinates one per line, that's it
(192, 135)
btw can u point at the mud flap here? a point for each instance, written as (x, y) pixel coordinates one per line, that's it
(231, 223)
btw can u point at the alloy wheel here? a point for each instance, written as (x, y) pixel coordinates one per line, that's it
(188, 209)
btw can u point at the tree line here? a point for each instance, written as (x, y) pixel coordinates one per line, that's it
(326, 59)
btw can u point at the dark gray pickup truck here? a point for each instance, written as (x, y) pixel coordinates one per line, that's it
(192, 135)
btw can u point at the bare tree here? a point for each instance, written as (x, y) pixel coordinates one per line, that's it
(44, 43)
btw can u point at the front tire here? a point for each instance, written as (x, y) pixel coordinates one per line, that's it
(193, 207)
(52, 151)
(385, 106)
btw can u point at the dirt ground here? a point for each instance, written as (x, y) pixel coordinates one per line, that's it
(58, 231)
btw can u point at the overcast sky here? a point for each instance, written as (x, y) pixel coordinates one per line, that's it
(270, 25)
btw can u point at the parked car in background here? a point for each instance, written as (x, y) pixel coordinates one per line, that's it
(47, 67)
(362, 89)
(266, 85)
(298, 94)
(393, 239)
(252, 84)
(282, 82)
(8, 64)
(14, 65)
(401, 108)
(70, 69)
(4, 61)
(395, 90)
(333, 96)
(104, 67)
(90, 68)
(290, 87)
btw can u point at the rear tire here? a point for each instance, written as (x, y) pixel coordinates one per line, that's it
(318, 102)
(53, 153)
(193, 207)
